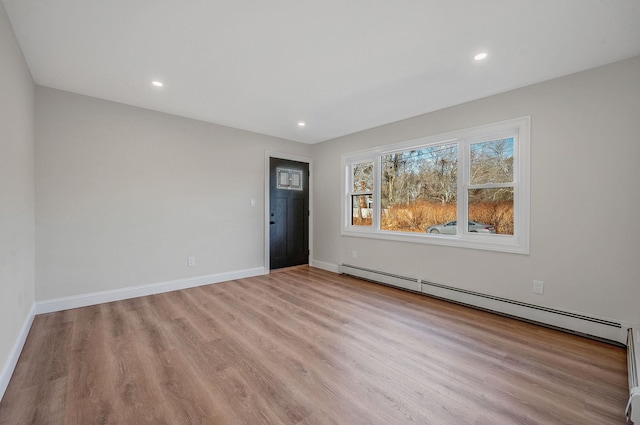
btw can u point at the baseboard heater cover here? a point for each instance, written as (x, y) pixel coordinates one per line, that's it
(382, 277)
(633, 361)
(576, 323)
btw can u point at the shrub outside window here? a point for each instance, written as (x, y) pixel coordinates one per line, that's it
(468, 188)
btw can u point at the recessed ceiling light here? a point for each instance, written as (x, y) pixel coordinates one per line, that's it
(480, 56)
(157, 83)
(301, 124)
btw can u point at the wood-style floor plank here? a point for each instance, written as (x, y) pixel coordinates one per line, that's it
(307, 347)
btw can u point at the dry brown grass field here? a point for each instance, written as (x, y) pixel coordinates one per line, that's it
(416, 217)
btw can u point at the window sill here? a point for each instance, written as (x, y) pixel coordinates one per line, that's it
(499, 243)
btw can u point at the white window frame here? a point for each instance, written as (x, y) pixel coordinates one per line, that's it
(518, 128)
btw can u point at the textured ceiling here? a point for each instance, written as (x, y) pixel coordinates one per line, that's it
(341, 66)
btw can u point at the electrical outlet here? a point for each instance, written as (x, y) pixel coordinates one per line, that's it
(354, 254)
(538, 287)
(191, 261)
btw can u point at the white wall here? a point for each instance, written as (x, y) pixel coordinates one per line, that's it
(585, 197)
(16, 192)
(125, 195)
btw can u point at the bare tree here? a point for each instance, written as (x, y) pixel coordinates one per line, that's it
(492, 162)
(423, 175)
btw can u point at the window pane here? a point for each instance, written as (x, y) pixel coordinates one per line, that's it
(363, 177)
(492, 162)
(491, 210)
(361, 206)
(419, 188)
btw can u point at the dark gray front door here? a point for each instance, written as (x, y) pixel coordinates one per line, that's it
(288, 213)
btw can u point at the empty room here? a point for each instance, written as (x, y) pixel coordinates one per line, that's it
(305, 213)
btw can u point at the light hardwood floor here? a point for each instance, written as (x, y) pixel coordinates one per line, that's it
(305, 346)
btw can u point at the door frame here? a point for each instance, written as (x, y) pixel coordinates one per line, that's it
(267, 234)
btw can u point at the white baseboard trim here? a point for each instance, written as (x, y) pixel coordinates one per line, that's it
(84, 300)
(14, 355)
(330, 267)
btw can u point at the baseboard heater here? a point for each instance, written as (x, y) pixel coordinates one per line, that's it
(593, 327)
(633, 361)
